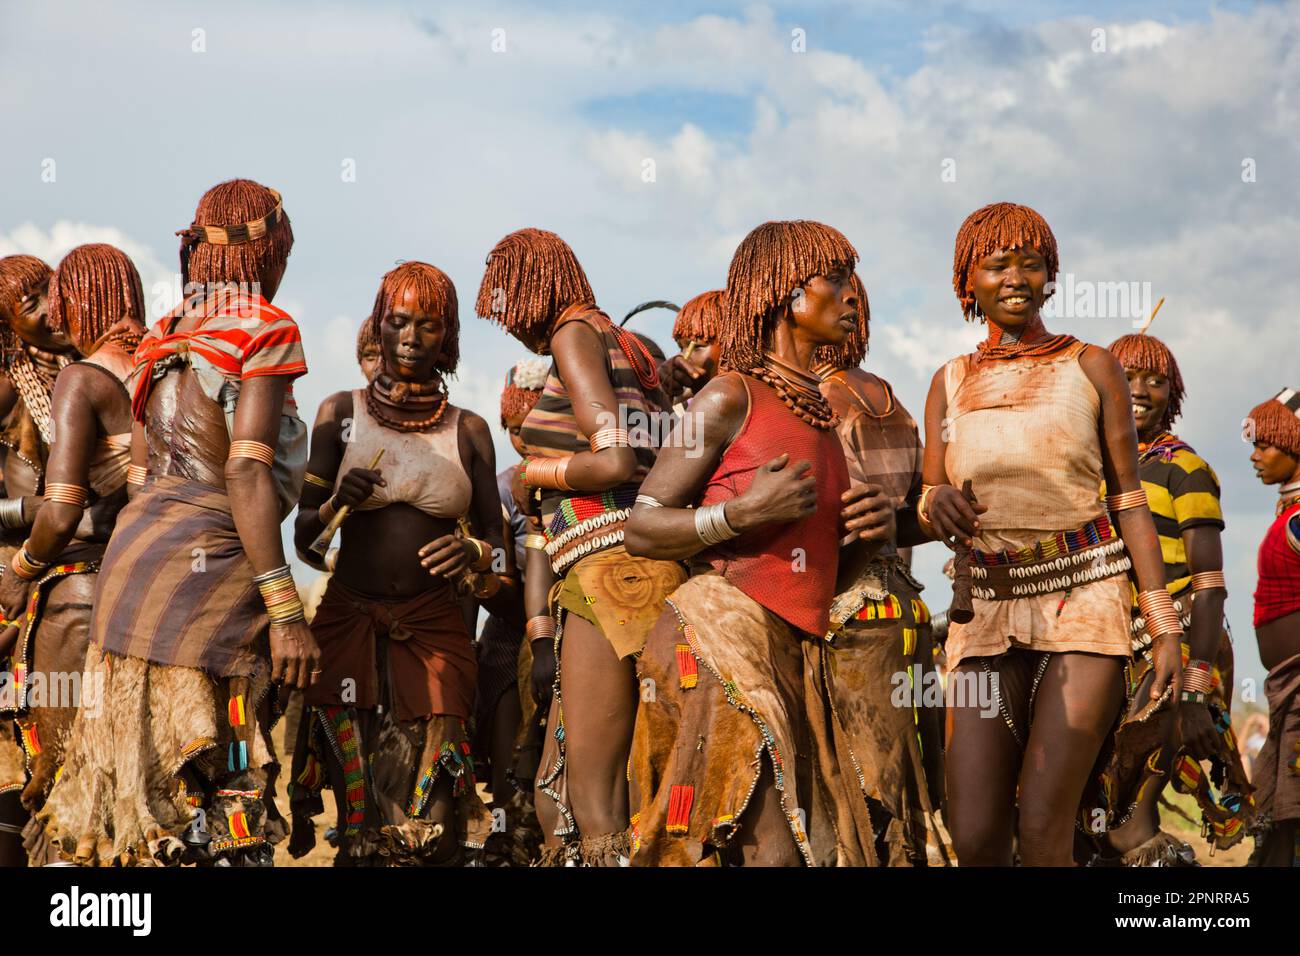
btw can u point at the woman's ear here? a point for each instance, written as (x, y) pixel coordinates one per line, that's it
(797, 299)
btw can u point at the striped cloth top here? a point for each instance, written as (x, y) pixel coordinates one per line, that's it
(240, 335)
(1183, 492)
(879, 448)
(551, 429)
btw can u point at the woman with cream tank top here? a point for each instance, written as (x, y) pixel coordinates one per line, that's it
(1034, 423)
(397, 660)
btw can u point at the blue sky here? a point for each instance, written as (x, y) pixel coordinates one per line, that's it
(1135, 154)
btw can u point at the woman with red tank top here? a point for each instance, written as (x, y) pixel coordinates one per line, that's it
(737, 756)
(1275, 428)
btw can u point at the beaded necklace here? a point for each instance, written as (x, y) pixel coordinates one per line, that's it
(798, 390)
(994, 347)
(383, 393)
(1287, 496)
(1163, 446)
(1047, 346)
(34, 381)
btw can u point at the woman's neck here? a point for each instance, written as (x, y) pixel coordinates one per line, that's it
(1151, 434)
(791, 347)
(1031, 331)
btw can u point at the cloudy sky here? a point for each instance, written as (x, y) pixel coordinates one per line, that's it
(1159, 140)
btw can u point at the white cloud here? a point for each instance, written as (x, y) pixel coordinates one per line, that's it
(1135, 157)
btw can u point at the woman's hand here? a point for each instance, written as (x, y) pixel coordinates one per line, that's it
(357, 486)
(14, 593)
(295, 655)
(1167, 656)
(868, 512)
(780, 493)
(543, 672)
(951, 515)
(1196, 729)
(681, 374)
(448, 556)
(522, 494)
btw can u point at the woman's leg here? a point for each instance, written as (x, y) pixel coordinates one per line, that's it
(12, 819)
(981, 764)
(505, 728)
(765, 838)
(1078, 699)
(442, 810)
(599, 692)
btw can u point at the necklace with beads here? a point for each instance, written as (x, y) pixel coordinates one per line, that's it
(1287, 496)
(383, 393)
(798, 390)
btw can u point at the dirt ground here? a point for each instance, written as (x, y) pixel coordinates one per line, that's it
(323, 853)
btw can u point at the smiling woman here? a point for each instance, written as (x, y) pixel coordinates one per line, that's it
(1033, 422)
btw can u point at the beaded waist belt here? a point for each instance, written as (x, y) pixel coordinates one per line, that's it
(585, 524)
(1068, 559)
(1141, 637)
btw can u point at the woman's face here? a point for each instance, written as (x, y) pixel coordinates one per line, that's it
(1009, 286)
(371, 358)
(411, 339)
(29, 318)
(537, 342)
(513, 424)
(1150, 393)
(827, 309)
(1273, 466)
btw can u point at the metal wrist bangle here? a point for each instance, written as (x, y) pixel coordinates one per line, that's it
(11, 514)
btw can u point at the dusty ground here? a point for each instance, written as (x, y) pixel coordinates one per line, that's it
(323, 854)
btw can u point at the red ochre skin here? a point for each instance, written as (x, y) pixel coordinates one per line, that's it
(1080, 694)
(782, 491)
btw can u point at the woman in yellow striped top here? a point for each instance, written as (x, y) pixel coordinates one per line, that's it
(1183, 493)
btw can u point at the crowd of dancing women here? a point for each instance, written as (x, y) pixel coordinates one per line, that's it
(703, 643)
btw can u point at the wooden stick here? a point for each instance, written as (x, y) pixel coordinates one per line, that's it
(1152, 318)
(322, 542)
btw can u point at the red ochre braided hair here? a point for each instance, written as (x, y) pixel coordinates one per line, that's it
(233, 203)
(1146, 353)
(532, 276)
(769, 264)
(850, 352)
(434, 292)
(96, 293)
(1277, 424)
(20, 276)
(367, 337)
(700, 319)
(1000, 225)
(524, 384)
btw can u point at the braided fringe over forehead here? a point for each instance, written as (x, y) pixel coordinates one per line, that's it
(700, 319)
(851, 352)
(367, 338)
(1276, 425)
(228, 204)
(20, 275)
(769, 263)
(517, 402)
(434, 292)
(1148, 353)
(1001, 225)
(94, 287)
(532, 276)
